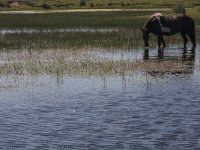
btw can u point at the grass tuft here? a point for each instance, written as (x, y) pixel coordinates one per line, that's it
(179, 9)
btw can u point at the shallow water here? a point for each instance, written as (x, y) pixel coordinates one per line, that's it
(30, 31)
(79, 81)
(141, 110)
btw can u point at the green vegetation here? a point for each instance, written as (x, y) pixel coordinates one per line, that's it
(119, 23)
(76, 4)
(179, 9)
(76, 40)
(74, 20)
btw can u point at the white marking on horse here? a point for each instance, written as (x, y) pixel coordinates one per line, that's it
(163, 28)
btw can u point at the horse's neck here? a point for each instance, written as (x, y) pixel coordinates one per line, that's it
(163, 28)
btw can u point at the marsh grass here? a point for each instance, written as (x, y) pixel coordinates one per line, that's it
(80, 63)
(68, 52)
(80, 40)
(110, 39)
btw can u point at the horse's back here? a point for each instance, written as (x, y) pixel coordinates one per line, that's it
(184, 19)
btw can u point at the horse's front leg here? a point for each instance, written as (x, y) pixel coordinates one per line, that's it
(161, 40)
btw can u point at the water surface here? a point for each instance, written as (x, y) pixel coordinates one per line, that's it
(48, 100)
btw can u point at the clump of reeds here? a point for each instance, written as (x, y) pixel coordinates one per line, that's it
(179, 9)
(46, 6)
(82, 3)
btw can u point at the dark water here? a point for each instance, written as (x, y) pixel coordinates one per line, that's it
(140, 112)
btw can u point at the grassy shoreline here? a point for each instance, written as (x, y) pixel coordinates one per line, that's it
(74, 20)
(92, 4)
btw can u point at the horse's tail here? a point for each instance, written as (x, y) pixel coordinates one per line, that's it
(193, 34)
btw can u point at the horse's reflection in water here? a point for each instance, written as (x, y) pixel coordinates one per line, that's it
(185, 58)
(186, 55)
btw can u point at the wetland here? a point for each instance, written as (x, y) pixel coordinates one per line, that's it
(83, 81)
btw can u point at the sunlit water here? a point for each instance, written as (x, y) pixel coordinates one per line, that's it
(140, 112)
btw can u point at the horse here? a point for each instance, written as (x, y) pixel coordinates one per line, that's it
(169, 25)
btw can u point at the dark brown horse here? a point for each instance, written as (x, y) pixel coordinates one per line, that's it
(161, 25)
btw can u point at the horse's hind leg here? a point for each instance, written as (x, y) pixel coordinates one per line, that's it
(192, 37)
(184, 36)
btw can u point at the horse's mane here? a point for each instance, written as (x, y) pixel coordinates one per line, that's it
(157, 14)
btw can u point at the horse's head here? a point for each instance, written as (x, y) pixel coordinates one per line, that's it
(145, 35)
(147, 28)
